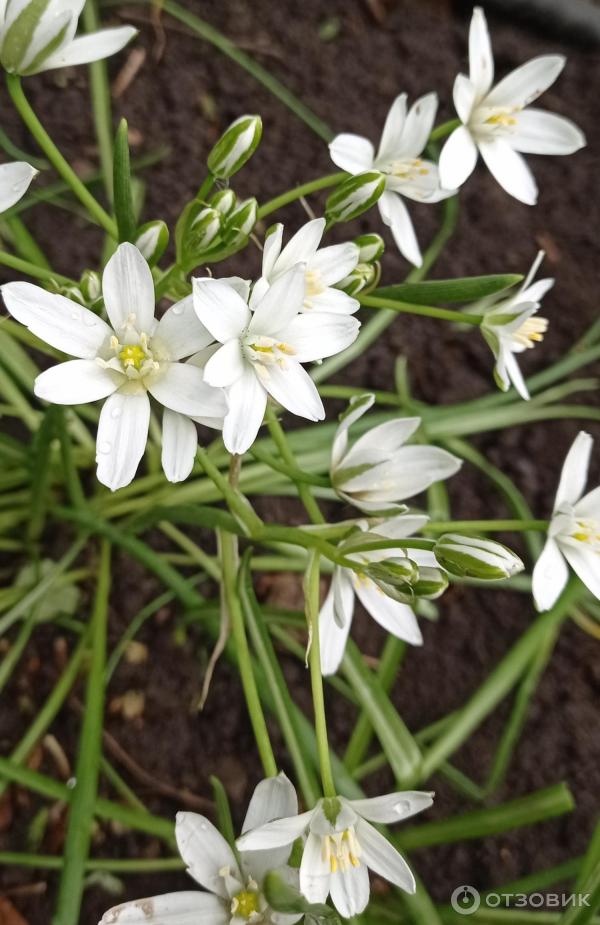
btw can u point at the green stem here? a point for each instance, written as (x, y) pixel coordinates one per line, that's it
(111, 865)
(55, 157)
(429, 311)
(238, 504)
(101, 107)
(31, 269)
(485, 526)
(312, 604)
(205, 189)
(305, 189)
(446, 128)
(277, 433)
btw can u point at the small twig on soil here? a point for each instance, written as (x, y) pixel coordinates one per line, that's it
(128, 73)
(26, 889)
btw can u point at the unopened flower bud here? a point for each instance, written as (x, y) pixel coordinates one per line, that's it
(224, 201)
(395, 577)
(354, 196)
(364, 276)
(90, 285)
(475, 557)
(371, 247)
(241, 221)
(152, 240)
(431, 583)
(198, 228)
(235, 146)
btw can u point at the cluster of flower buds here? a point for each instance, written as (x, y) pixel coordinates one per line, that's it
(209, 228)
(367, 272)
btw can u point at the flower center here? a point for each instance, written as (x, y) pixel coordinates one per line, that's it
(314, 284)
(531, 332)
(406, 170)
(132, 355)
(135, 360)
(588, 531)
(342, 850)
(265, 351)
(501, 120)
(245, 904)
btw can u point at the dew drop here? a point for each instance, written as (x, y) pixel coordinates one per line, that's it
(76, 316)
(72, 783)
(177, 310)
(104, 447)
(115, 413)
(402, 807)
(90, 319)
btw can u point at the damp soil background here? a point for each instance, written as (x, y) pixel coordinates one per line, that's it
(185, 99)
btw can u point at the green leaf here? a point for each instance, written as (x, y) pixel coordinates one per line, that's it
(467, 289)
(224, 819)
(122, 186)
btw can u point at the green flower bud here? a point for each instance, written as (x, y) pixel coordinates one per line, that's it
(152, 239)
(475, 557)
(235, 146)
(224, 201)
(354, 196)
(371, 247)
(90, 285)
(431, 583)
(395, 577)
(363, 277)
(241, 221)
(197, 230)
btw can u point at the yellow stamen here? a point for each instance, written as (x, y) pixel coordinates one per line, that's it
(132, 355)
(245, 904)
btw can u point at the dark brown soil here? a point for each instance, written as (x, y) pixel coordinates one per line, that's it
(350, 82)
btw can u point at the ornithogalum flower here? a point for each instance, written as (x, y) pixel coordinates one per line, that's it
(39, 36)
(342, 846)
(14, 182)
(511, 325)
(263, 350)
(396, 617)
(123, 362)
(407, 174)
(325, 267)
(574, 531)
(499, 123)
(378, 471)
(234, 894)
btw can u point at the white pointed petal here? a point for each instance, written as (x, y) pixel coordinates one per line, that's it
(343, 595)
(352, 153)
(14, 182)
(380, 442)
(220, 308)
(335, 262)
(181, 331)
(523, 85)
(390, 145)
(280, 303)
(549, 577)
(395, 617)
(273, 798)
(293, 388)
(458, 158)
(352, 414)
(408, 472)
(536, 291)
(239, 285)
(315, 871)
(382, 858)
(481, 61)
(393, 807)
(589, 505)
(395, 214)
(179, 444)
(464, 95)
(332, 636)
(301, 247)
(510, 170)
(323, 334)
(55, 25)
(121, 439)
(271, 249)
(515, 375)
(331, 301)
(584, 562)
(91, 47)
(539, 132)
(424, 187)
(418, 125)
(128, 289)
(247, 402)
(350, 890)
(76, 382)
(186, 908)
(276, 834)
(182, 388)
(226, 365)
(204, 851)
(259, 289)
(405, 525)
(574, 471)
(56, 320)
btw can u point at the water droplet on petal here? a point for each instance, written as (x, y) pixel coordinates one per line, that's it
(90, 319)
(402, 807)
(105, 447)
(177, 309)
(115, 413)
(75, 315)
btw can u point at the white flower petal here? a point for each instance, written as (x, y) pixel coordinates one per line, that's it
(315, 871)
(91, 47)
(247, 402)
(335, 262)
(393, 807)
(205, 852)
(280, 303)
(408, 472)
(589, 505)
(332, 635)
(354, 411)
(121, 439)
(536, 291)
(301, 247)
(380, 442)
(220, 308)
(515, 375)
(539, 132)
(574, 471)
(331, 301)
(182, 388)
(294, 390)
(584, 562)
(395, 617)
(352, 153)
(350, 890)
(549, 577)
(390, 145)
(273, 798)
(271, 249)
(56, 320)
(239, 285)
(396, 528)
(523, 85)
(76, 382)
(226, 365)
(395, 214)
(179, 444)
(14, 182)
(382, 858)
(323, 334)
(418, 125)
(423, 187)
(276, 834)
(185, 908)
(464, 95)
(510, 170)
(458, 158)
(181, 331)
(128, 289)
(481, 61)
(343, 595)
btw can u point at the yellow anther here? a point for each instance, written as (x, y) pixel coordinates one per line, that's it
(245, 904)
(132, 355)
(333, 864)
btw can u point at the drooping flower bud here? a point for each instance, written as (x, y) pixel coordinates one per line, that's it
(475, 557)
(354, 196)
(235, 146)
